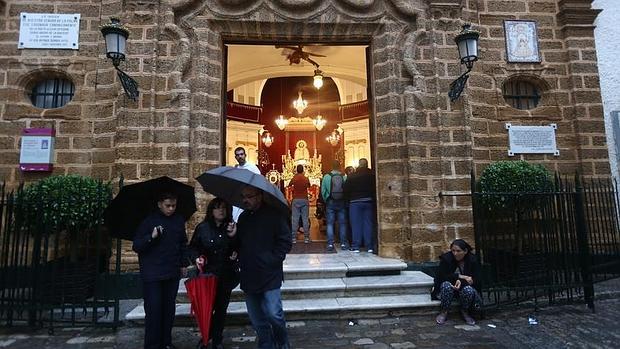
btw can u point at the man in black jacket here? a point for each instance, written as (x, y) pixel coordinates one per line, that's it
(161, 244)
(359, 189)
(263, 236)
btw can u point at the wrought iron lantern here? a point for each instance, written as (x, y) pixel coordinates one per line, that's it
(467, 43)
(115, 35)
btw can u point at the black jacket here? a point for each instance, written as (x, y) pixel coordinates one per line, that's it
(263, 239)
(447, 266)
(213, 243)
(163, 257)
(360, 184)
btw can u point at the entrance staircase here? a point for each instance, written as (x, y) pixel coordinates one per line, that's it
(338, 285)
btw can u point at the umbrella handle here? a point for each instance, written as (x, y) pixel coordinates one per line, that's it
(200, 266)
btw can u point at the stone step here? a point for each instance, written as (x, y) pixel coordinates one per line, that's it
(408, 282)
(320, 308)
(342, 264)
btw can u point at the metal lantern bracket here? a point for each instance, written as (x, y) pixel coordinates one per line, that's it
(129, 85)
(457, 86)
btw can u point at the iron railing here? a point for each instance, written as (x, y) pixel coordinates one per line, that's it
(59, 276)
(551, 246)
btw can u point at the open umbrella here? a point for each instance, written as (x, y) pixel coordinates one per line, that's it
(201, 293)
(136, 201)
(227, 183)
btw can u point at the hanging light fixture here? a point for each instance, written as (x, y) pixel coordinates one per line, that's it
(333, 138)
(467, 44)
(281, 121)
(318, 121)
(267, 139)
(115, 36)
(318, 78)
(300, 104)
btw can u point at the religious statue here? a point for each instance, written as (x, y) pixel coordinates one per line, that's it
(301, 152)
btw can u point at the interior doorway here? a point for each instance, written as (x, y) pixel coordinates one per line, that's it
(299, 104)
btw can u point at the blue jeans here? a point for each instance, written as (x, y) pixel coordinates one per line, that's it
(336, 208)
(300, 207)
(362, 217)
(267, 317)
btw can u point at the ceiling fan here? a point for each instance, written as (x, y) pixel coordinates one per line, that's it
(296, 53)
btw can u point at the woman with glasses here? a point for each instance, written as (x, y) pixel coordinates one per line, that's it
(211, 242)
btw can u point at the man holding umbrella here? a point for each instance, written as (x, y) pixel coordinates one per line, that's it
(264, 238)
(161, 242)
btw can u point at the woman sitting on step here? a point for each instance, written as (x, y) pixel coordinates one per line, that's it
(458, 276)
(211, 242)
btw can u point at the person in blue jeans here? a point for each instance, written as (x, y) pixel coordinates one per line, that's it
(263, 238)
(332, 191)
(360, 192)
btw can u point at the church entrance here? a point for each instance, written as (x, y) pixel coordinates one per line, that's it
(298, 104)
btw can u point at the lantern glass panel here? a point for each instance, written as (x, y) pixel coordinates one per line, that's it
(115, 45)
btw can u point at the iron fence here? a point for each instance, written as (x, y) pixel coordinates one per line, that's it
(55, 275)
(551, 246)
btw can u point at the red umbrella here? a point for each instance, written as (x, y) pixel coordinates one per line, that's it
(201, 292)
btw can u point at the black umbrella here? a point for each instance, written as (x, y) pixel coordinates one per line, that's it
(136, 201)
(227, 183)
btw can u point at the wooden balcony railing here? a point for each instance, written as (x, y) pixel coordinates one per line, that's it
(354, 110)
(242, 111)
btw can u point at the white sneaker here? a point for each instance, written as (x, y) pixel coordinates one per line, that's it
(371, 251)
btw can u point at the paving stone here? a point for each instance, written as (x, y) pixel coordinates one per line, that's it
(363, 341)
(403, 345)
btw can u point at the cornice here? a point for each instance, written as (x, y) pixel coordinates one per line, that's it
(576, 13)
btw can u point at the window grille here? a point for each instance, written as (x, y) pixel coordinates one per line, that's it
(521, 94)
(52, 93)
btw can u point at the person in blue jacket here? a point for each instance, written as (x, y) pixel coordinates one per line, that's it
(161, 244)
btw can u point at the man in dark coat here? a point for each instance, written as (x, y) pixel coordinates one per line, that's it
(359, 189)
(161, 244)
(263, 236)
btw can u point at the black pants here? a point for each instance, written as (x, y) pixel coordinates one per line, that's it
(159, 305)
(225, 284)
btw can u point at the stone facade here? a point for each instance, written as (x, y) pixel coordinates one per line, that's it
(424, 144)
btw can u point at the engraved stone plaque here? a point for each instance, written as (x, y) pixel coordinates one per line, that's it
(532, 140)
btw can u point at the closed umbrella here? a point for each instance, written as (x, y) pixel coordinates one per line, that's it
(136, 201)
(201, 293)
(227, 183)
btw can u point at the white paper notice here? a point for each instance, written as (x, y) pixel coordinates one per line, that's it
(532, 140)
(49, 31)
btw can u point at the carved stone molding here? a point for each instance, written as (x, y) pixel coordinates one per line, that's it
(577, 13)
(445, 8)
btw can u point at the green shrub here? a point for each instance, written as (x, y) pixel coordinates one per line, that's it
(513, 177)
(62, 202)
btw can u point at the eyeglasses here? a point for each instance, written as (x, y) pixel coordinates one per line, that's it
(250, 196)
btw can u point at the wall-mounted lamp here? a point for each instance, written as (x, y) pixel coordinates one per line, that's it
(467, 43)
(115, 35)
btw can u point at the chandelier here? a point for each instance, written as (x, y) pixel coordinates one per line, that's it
(300, 104)
(319, 122)
(333, 138)
(317, 78)
(267, 139)
(281, 122)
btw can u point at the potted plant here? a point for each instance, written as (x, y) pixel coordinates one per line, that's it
(63, 216)
(509, 203)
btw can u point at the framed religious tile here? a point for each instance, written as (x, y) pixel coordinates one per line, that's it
(521, 42)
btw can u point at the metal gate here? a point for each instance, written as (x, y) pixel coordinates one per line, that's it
(55, 276)
(551, 245)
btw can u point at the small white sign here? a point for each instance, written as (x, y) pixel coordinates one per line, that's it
(37, 150)
(532, 140)
(49, 31)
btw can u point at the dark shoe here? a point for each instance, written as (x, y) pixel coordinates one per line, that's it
(218, 346)
(330, 247)
(355, 250)
(441, 318)
(468, 319)
(307, 241)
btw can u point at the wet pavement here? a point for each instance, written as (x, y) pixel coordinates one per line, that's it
(559, 326)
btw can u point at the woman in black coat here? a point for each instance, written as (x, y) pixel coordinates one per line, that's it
(211, 242)
(458, 276)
